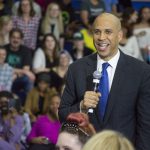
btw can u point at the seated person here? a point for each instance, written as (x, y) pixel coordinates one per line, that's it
(45, 130)
(79, 49)
(11, 123)
(20, 58)
(75, 132)
(58, 73)
(6, 72)
(38, 97)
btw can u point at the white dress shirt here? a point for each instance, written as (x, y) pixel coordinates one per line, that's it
(111, 68)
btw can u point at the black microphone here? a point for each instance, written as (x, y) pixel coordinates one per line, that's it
(96, 80)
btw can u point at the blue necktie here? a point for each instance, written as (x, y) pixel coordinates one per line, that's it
(104, 90)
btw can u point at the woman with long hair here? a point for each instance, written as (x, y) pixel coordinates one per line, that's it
(46, 57)
(58, 73)
(28, 22)
(53, 22)
(142, 31)
(45, 130)
(37, 99)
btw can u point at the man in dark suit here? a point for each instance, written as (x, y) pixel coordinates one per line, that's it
(128, 103)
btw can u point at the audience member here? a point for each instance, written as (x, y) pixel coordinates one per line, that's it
(28, 22)
(44, 133)
(44, 4)
(88, 38)
(6, 72)
(26, 129)
(4, 8)
(19, 57)
(129, 44)
(46, 57)
(129, 16)
(111, 6)
(6, 26)
(75, 132)
(142, 31)
(38, 97)
(58, 73)
(11, 124)
(36, 8)
(123, 4)
(76, 5)
(79, 49)
(53, 23)
(67, 11)
(108, 140)
(90, 9)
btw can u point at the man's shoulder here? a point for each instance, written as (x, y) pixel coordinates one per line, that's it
(135, 63)
(9, 67)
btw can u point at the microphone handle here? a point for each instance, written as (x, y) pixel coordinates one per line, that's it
(91, 110)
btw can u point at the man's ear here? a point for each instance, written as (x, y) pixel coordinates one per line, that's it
(120, 35)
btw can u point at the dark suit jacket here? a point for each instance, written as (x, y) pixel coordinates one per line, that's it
(128, 108)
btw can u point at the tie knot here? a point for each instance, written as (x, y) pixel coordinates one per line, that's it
(105, 65)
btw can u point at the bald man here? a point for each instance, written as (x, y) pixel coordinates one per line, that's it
(128, 103)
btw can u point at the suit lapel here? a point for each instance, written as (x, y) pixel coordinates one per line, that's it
(118, 81)
(91, 67)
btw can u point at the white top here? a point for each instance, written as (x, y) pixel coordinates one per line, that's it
(131, 48)
(144, 37)
(39, 60)
(111, 68)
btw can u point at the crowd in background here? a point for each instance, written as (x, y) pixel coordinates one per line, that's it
(38, 41)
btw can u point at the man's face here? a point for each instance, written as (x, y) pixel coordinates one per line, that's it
(79, 44)
(25, 6)
(106, 36)
(2, 56)
(42, 85)
(4, 108)
(15, 40)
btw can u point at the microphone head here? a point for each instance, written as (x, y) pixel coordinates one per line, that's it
(97, 74)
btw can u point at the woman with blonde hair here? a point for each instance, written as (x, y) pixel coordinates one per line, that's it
(53, 22)
(6, 25)
(108, 140)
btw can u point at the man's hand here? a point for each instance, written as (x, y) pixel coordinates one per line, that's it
(29, 74)
(90, 100)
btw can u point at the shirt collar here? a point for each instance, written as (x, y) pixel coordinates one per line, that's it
(113, 61)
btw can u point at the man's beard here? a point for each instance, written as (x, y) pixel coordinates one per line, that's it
(4, 110)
